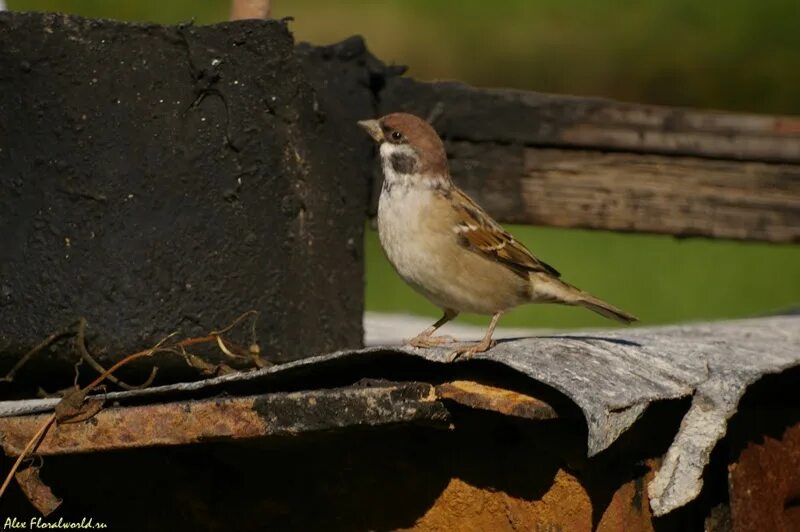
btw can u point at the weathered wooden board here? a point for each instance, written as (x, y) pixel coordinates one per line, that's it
(513, 116)
(683, 196)
(568, 161)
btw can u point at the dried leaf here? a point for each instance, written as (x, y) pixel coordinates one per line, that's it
(196, 362)
(224, 369)
(204, 367)
(73, 407)
(38, 493)
(80, 343)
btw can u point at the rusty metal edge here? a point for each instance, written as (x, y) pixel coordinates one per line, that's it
(764, 480)
(484, 397)
(230, 418)
(373, 403)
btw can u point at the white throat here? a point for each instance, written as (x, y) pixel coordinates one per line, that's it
(400, 182)
(392, 179)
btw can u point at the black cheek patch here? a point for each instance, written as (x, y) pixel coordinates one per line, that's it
(403, 163)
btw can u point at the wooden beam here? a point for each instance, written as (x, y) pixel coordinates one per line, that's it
(569, 161)
(685, 196)
(512, 116)
(250, 9)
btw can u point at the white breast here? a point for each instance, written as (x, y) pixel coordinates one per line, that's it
(402, 209)
(424, 253)
(401, 214)
(428, 260)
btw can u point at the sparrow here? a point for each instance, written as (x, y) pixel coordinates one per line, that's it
(447, 247)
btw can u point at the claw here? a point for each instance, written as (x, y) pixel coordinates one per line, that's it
(467, 351)
(431, 341)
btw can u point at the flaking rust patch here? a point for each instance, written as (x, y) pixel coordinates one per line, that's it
(38, 493)
(481, 396)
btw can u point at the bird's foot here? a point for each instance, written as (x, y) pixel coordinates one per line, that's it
(430, 341)
(466, 352)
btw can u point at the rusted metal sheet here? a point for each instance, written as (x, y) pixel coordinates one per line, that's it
(498, 476)
(629, 509)
(566, 505)
(188, 422)
(475, 395)
(764, 484)
(612, 376)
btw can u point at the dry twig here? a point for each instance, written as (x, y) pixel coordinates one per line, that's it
(237, 321)
(74, 407)
(80, 342)
(30, 447)
(39, 347)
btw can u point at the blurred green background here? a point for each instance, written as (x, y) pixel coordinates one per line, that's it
(741, 55)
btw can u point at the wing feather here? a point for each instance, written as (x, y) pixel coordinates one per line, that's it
(478, 232)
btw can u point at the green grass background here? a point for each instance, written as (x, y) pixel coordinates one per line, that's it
(741, 55)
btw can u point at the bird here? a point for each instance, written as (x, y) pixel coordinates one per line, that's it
(446, 247)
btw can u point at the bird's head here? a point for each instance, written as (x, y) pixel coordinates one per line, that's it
(410, 149)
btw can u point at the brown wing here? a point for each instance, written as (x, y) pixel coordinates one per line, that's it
(478, 232)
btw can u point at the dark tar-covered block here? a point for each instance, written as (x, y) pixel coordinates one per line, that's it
(155, 179)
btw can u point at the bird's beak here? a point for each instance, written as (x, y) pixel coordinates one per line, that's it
(373, 128)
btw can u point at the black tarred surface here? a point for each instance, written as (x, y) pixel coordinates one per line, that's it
(155, 179)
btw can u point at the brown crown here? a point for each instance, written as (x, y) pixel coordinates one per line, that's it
(423, 138)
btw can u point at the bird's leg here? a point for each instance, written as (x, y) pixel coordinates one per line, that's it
(467, 351)
(426, 338)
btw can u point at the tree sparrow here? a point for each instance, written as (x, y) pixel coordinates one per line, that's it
(447, 247)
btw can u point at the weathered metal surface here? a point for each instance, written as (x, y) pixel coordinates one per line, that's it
(489, 472)
(764, 484)
(567, 503)
(613, 376)
(718, 519)
(187, 422)
(629, 509)
(510, 403)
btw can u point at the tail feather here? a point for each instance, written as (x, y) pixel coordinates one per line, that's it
(548, 289)
(604, 309)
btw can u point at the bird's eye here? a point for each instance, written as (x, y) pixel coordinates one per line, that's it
(396, 136)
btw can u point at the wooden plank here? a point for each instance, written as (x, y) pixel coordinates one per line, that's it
(511, 116)
(250, 9)
(685, 196)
